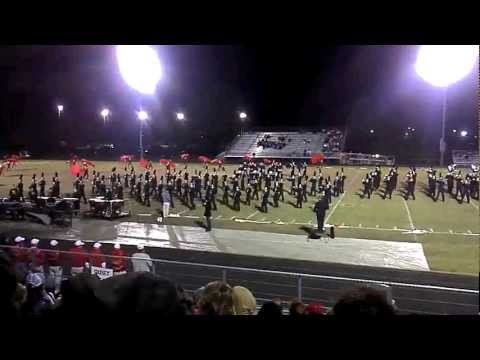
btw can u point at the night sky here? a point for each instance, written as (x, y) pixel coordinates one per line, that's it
(354, 87)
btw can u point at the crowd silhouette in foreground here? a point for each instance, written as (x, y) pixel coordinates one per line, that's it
(141, 293)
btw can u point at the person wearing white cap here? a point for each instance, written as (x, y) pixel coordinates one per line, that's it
(78, 258)
(119, 264)
(20, 257)
(55, 269)
(37, 257)
(142, 261)
(96, 256)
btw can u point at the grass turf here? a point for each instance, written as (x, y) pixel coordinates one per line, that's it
(448, 246)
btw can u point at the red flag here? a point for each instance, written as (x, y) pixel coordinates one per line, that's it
(203, 159)
(75, 169)
(185, 156)
(267, 161)
(164, 162)
(317, 158)
(216, 161)
(143, 163)
(247, 157)
(87, 162)
(172, 165)
(126, 158)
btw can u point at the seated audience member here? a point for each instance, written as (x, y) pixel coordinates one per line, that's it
(244, 303)
(363, 301)
(12, 293)
(39, 302)
(140, 294)
(216, 299)
(270, 309)
(296, 308)
(315, 309)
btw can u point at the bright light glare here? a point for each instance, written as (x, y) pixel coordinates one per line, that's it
(105, 113)
(142, 115)
(463, 133)
(454, 131)
(243, 115)
(180, 116)
(442, 65)
(372, 131)
(60, 107)
(140, 67)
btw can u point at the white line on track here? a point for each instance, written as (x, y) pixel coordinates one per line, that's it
(252, 214)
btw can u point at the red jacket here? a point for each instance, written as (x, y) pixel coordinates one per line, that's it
(96, 257)
(79, 256)
(54, 258)
(19, 253)
(119, 264)
(36, 256)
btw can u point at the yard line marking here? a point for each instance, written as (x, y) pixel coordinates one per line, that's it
(469, 231)
(359, 225)
(218, 217)
(293, 221)
(431, 229)
(252, 214)
(233, 217)
(450, 231)
(341, 198)
(395, 228)
(377, 226)
(475, 206)
(410, 219)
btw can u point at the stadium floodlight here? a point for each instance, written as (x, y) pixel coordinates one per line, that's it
(454, 131)
(142, 116)
(406, 134)
(413, 129)
(372, 131)
(180, 116)
(140, 67)
(242, 115)
(443, 65)
(59, 109)
(463, 133)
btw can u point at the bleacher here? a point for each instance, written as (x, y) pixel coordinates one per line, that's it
(287, 144)
(465, 158)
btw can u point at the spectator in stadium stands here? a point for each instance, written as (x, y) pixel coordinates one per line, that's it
(244, 303)
(78, 258)
(141, 294)
(119, 264)
(363, 301)
(19, 255)
(36, 257)
(39, 302)
(216, 299)
(96, 256)
(12, 293)
(315, 309)
(296, 308)
(270, 309)
(186, 301)
(55, 269)
(78, 299)
(142, 261)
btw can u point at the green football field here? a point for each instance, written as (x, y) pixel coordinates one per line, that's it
(450, 230)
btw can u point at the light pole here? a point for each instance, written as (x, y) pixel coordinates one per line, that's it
(441, 66)
(105, 113)
(243, 116)
(140, 68)
(142, 116)
(59, 109)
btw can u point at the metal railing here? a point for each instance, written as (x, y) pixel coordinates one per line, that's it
(269, 284)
